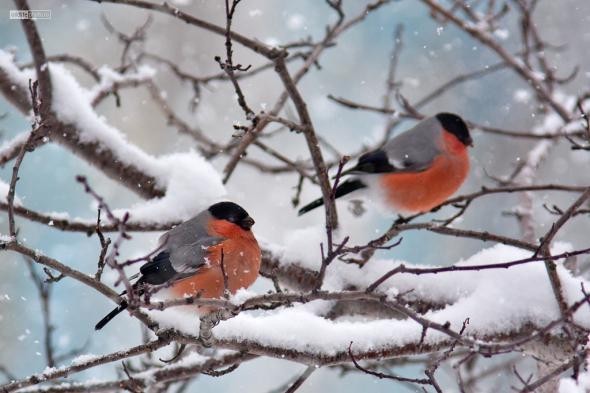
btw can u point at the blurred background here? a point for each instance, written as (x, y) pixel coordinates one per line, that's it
(356, 68)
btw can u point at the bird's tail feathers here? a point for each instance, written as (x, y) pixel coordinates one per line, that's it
(111, 315)
(122, 306)
(343, 189)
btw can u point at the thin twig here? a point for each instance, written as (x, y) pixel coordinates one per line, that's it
(301, 379)
(44, 292)
(382, 375)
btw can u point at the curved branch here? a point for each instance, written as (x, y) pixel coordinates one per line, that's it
(312, 142)
(93, 152)
(39, 59)
(63, 269)
(163, 340)
(10, 149)
(162, 375)
(527, 75)
(174, 12)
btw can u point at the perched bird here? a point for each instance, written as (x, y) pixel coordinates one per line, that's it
(416, 170)
(192, 254)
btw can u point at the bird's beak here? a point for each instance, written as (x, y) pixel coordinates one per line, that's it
(248, 222)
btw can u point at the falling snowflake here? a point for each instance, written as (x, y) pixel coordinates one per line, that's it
(296, 21)
(522, 96)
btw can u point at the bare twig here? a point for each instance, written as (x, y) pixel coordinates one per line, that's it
(382, 375)
(37, 124)
(104, 246)
(544, 249)
(331, 34)
(39, 59)
(532, 386)
(44, 292)
(487, 40)
(228, 65)
(301, 379)
(312, 141)
(436, 270)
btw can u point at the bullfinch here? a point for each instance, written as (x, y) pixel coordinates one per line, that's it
(416, 170)
(192, 254)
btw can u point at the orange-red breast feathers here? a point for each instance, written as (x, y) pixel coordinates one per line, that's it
(421, 191)
(241, 261)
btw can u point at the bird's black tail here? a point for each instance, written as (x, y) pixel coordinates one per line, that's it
(138, 288)
(111, 315)
(345, 188)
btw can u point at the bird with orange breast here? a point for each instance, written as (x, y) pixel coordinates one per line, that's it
(415, 171)
(202, 256)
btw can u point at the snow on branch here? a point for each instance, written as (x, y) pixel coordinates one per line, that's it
(190, 182)
(14, 84)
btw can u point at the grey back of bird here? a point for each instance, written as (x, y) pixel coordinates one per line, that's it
(187, 243)
(415, 149)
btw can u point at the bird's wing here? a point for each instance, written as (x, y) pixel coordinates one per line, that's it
(184, 251)
(189, 258)
(412, 151)
(415, 149)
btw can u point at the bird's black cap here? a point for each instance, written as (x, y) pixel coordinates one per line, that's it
(231, 212)
(456, 126)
